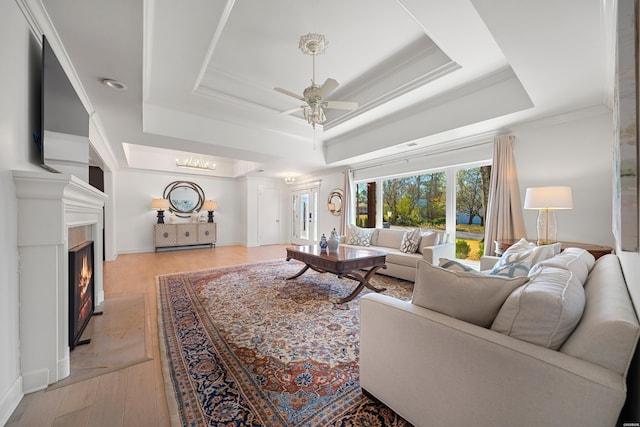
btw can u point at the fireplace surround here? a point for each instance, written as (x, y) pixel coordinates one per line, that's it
(49, 207)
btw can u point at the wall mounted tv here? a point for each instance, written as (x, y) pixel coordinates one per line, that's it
(63, 139)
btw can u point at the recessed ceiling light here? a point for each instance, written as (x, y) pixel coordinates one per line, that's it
(114, 84)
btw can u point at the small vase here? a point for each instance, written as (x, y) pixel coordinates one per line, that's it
(333, 241)
(323, 243)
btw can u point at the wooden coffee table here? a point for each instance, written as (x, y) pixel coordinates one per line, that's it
(347, 262)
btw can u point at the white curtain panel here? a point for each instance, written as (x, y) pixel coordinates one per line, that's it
(348, 211)
(504, 215)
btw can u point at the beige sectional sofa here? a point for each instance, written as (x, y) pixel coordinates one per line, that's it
(433, 246)
(437, 370)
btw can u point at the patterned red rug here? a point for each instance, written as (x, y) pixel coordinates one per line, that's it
(243, 347)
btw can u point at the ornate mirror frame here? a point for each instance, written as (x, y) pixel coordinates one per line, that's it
(335, 201)
(185, 198)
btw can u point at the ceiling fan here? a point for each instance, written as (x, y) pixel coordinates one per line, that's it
(314, 96)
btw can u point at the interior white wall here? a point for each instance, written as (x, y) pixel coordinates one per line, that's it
(134, 218)
(15, 140)
(576, 151)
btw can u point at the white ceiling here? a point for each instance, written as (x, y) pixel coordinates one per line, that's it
(200, 74)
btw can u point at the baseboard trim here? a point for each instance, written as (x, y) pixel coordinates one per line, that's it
(11, 400)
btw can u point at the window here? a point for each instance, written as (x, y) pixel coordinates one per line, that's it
(472, 196)
(421, 201)
(415, 201)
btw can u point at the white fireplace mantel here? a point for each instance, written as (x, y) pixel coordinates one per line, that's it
(48, 205)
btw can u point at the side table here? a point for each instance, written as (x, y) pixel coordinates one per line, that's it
(596, 250)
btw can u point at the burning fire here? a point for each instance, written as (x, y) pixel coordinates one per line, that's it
(85, 277)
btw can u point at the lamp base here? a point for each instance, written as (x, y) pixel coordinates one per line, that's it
(547, 227)
(160, 217)
(210, 216)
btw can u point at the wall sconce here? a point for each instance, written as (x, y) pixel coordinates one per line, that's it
(547, 200)
(160, 205)
(211, 206)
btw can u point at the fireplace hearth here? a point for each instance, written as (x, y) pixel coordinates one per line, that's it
(81, 292)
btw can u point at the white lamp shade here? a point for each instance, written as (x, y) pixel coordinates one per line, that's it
(548, 198)
(160, 204)
(210, 205)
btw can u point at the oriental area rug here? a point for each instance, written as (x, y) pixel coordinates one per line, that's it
(242, 346)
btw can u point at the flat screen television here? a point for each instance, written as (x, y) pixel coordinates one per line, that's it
(62, 117)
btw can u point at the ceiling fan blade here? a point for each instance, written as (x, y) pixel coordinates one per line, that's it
(341, 105)
(288, 93)
(291, 111)
(327, 87)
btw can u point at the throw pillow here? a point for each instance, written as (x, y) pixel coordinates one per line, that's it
(360, 236)
(526, 254)
(450, 264)
(544, 311)
(576, 260)
(429, 238)
(469, 296)
(410, 241)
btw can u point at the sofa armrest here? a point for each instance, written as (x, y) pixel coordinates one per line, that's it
(487, 262)
(432, 254)
(436, 370)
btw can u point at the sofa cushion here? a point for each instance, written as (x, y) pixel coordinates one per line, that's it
(576, 260)
(410, 241)
(526, 254)
(469, 296)
(359, 236)
(429, 238)
(608, 331)
(544, 311)
(401, 258)
(390, 238)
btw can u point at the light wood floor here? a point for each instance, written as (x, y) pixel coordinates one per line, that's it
(133, 396)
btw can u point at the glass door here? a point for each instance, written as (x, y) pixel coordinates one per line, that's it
(304, 216)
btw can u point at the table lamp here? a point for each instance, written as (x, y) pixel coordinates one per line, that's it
(160, 205)
(547, 200)
(210, 205)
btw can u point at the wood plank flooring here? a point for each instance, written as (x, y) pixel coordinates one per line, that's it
(132, 396)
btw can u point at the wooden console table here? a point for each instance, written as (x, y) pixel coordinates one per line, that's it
(186, 234)
(596, 250)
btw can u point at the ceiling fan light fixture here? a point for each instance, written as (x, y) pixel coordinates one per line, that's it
(313, 44)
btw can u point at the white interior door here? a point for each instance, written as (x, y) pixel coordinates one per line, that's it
(269, 223)
(304, 216)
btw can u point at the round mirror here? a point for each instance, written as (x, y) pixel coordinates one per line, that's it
(184, 198)
(334, 203)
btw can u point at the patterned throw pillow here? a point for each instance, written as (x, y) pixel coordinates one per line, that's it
(520, 257)
(450, 264)
(410, 241)
(360, 236)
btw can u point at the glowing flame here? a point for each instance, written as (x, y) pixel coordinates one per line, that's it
(85, 277)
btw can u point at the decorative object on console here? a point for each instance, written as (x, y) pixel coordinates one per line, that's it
(197, 163)
(211, 206)
(333, 242)
(323, 243)
(547, 200)
(160, 205)
(185, 198)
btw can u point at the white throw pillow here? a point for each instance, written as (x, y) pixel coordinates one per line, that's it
(544, 311)
(410, 241)
(469, 296)
(524, 254)
(360, 236)
(576, 260)
(429, 238)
